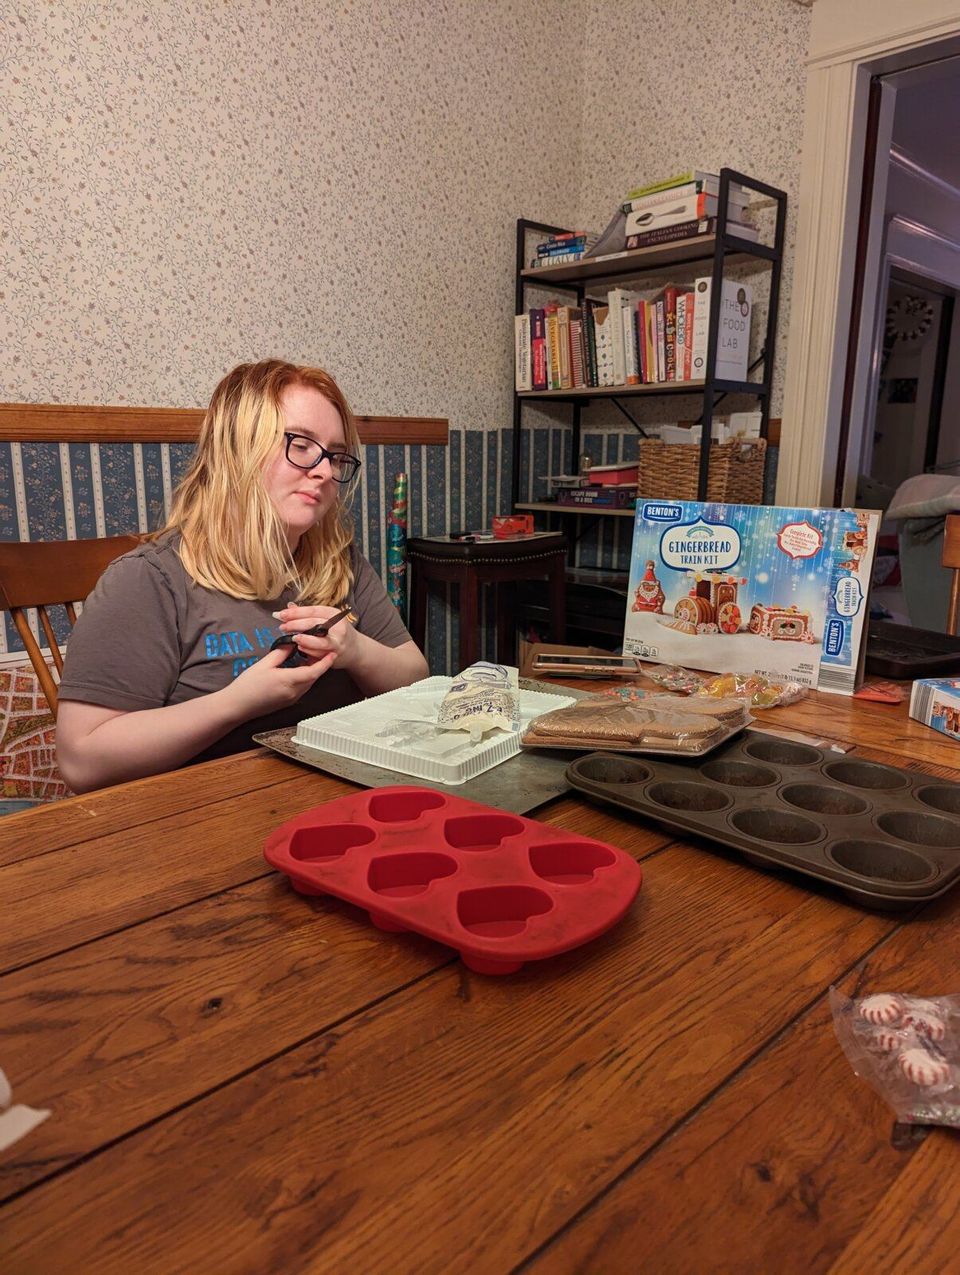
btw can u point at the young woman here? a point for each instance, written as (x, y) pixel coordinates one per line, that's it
(170, 661)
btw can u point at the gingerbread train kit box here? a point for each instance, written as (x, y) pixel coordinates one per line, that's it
(752, 588)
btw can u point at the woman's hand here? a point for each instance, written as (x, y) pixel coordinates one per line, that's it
(266, 686)
(342, 643)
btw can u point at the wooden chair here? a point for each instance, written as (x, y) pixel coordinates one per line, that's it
(951, 560)
(52, 573)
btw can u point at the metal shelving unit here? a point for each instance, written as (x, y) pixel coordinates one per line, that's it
(720, 248)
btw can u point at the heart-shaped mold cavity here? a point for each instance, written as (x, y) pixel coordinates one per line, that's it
(611, 770)
(824, 800)
(480, 832)
(881, 861)
(401, 876)
(782, 752)
(683, 795)
(777, 826)
(569, 862)
(739, 774)
(320, 845)
(501, 911)
(403, 807)
(946, 798)
(866, 774)
(921, 829)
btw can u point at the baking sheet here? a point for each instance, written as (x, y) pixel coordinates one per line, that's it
(520, 784)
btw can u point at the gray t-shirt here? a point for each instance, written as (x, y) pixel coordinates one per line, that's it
(149, 636)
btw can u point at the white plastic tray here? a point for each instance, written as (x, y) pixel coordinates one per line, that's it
(395, 730)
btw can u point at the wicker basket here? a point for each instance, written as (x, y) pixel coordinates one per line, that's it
(671, 471)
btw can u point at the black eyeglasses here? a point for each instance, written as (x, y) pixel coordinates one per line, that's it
(307, 453)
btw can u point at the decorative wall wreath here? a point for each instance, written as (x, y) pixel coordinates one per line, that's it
(908, 320)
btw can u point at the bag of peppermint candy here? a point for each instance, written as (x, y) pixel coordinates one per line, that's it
(907, 1048)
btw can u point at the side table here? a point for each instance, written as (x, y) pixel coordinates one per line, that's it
(437, 560)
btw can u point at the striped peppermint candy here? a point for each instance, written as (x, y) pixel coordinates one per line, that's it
(917, 1065)
(882, 1009)
(925, 1024)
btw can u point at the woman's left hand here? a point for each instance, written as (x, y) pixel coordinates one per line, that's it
(342, 640)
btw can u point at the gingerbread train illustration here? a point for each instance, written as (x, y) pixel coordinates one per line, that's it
(713, 605)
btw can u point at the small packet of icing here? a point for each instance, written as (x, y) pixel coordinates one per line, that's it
(482, 698)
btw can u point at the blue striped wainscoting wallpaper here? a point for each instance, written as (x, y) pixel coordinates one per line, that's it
(56, 491)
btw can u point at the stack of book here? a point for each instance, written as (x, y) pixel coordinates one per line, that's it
(563, 249)
(682, 207)
(633, 339)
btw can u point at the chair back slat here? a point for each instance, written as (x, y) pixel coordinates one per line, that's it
(951, 559)
(52, 573)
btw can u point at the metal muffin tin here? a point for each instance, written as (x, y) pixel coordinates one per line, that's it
(889, 838)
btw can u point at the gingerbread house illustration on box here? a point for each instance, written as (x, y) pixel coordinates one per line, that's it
(711, 606)
(782, 624)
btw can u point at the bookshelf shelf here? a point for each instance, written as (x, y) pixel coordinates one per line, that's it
(579, 511)
(643, 260)
(720, 248)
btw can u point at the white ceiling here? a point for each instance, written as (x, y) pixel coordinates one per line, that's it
(926, 121)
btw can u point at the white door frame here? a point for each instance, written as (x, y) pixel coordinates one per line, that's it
(850, 41)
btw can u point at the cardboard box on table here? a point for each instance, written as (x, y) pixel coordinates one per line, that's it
(781, 591)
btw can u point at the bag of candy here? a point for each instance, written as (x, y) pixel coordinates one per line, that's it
(482, 698)
(757, 690)
(907, 1048)
(671, 677)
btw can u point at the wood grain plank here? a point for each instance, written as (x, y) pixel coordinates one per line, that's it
(792, 1163)
(85, 891)
(466, 1119)
(74, 423)
(59, 824)
(883, 726)
(117, 1033)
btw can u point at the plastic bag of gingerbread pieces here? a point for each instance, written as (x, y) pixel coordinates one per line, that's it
(907, 1048)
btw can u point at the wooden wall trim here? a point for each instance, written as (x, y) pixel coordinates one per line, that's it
(59, 423)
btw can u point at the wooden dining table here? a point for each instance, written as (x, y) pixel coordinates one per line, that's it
(244, 1079)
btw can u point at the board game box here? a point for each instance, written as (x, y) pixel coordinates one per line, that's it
(752, 588)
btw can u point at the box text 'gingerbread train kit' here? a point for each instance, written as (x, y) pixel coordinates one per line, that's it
(752, 588)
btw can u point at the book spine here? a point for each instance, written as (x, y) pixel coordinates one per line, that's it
(601, 318)
(560, 259)
(670, 331)
(576, 347)
(649, 322)
(733, 337)
(669, 234)
(631, 362)
(681, 333)
(661, 341)
(688, 344)
(701, 320)
(681, 179)
(615, 328)
(538, 350)
(553, 348)
(563, 343)
(521, 349)
(591, 333)
(553, 249)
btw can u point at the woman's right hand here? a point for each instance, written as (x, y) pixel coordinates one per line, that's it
(266, 686)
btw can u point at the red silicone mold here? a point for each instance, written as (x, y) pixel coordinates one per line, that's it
(500, 889)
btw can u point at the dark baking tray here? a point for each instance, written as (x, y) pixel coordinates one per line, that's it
(889, 838)
(897, 650)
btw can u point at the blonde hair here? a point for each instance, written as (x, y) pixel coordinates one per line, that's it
(233, 539)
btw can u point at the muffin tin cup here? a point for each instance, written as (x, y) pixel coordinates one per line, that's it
(890, 838)
(499, 888)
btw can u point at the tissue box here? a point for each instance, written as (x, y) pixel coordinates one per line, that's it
(936, 703)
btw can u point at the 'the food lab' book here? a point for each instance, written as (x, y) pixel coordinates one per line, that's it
(752, 589)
